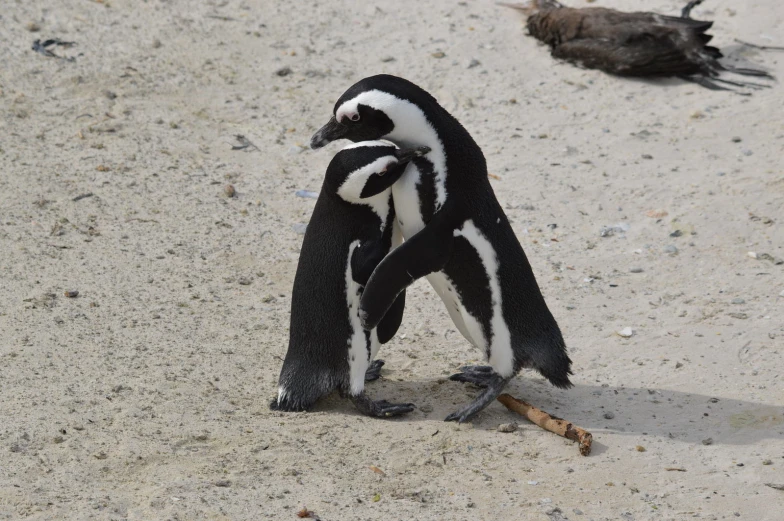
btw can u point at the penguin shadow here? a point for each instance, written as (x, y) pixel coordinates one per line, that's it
(601, 409)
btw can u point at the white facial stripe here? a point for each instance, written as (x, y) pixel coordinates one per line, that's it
(501, 354)
(412, 129)
(352, 187)
(377, 143)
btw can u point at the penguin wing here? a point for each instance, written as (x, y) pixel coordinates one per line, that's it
(424, 253)
(646, 54)
(389, 325)
(365, 259)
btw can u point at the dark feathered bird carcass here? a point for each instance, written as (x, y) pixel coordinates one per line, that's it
(639, 44)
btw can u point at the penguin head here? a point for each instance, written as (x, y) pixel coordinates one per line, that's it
(367, 168)
(377, 107)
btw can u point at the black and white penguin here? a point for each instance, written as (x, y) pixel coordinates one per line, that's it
(457, 236)
(351, 230)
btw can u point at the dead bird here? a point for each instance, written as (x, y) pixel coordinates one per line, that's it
(640, 44)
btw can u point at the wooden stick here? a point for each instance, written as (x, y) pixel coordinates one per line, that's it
(548, 422)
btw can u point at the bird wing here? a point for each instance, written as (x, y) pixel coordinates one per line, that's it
(643, 54)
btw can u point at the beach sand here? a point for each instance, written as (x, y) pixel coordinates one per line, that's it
(146, 396)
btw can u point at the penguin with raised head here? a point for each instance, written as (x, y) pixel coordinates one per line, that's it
(457, 236)
(351, 230)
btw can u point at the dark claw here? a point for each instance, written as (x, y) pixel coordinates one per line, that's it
(387, 410)
(479, 375)
(476, 369)
(380, 408)
(482, 376)
(374, 370)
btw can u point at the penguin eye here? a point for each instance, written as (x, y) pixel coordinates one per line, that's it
(385, 169)
(354, 117)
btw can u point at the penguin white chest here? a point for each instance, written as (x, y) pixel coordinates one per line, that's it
(407, 205)
(362, 345)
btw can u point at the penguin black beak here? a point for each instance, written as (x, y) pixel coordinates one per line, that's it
(328, 133)
(406, 155)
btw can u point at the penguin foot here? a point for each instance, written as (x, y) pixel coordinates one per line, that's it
(374, 370)
(380, 408)
(478, 375)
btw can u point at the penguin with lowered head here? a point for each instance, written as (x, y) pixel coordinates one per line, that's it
(351, 230)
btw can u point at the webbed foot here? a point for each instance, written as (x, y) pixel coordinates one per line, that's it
(380, 408)
(374, 370)
(481, 376)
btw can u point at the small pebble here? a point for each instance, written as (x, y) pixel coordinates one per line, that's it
(438, 54)
(636, 270)
(678, 365)
(507, 427)
(474, 63)
(609, 416)
(33, 27)
(707, 441)
(299, 228)
(223, 483)
(736, 139)
(738, 301)
(306, 194)
(245, 281)
(59, 439)
(229, 191)
(640, 448)
(72, 294)
(671, 249)
(739, 316)
(283, 71)
(156, 44)
(387, 59)
(767, 462)
(626, 332)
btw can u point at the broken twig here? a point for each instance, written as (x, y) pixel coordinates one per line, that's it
(548, 422)
(82, 196)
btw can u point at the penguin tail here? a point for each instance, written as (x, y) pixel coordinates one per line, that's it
(559, 377)
(289, 404)
(551, 360)
(301, 385)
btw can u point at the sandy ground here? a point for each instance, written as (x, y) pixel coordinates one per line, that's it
(145, 397)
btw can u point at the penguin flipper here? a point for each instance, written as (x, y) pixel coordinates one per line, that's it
(424, 253)
(389, 325)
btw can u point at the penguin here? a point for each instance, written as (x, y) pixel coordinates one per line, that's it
(457, 236)
(352, 228)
